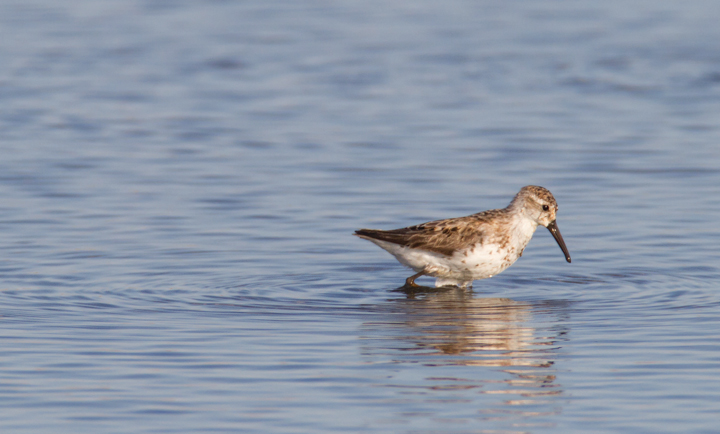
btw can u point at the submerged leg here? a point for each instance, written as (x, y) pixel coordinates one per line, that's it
(445, 282)
(410, 281)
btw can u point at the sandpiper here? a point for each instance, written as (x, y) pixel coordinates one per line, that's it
(459, 250)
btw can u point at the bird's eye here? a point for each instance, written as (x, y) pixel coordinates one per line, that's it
(546, 208)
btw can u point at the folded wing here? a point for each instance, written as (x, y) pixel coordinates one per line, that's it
(441, 236)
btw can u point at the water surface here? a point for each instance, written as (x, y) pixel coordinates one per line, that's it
(180, 182)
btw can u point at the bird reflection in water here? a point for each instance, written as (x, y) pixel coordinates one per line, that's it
(448, 327)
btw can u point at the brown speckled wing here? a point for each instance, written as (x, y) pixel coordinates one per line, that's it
(440, 236)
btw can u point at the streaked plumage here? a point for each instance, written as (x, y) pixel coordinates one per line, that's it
(459, 250)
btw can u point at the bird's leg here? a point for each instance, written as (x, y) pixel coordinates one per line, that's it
(410, 281)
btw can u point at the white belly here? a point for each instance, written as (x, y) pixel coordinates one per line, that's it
(477, 262)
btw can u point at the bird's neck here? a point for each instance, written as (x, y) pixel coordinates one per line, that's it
(523, 229)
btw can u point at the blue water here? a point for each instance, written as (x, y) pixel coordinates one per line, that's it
(179, 182)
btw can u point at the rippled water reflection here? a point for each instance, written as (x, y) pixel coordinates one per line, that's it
(444, 329)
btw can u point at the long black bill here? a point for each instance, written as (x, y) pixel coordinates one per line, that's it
(552, 227)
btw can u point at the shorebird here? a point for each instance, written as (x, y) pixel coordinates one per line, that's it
(459, 250)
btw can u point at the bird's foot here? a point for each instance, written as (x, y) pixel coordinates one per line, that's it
(410, 281)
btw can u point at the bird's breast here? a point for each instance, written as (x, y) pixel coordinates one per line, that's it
(485, 260)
